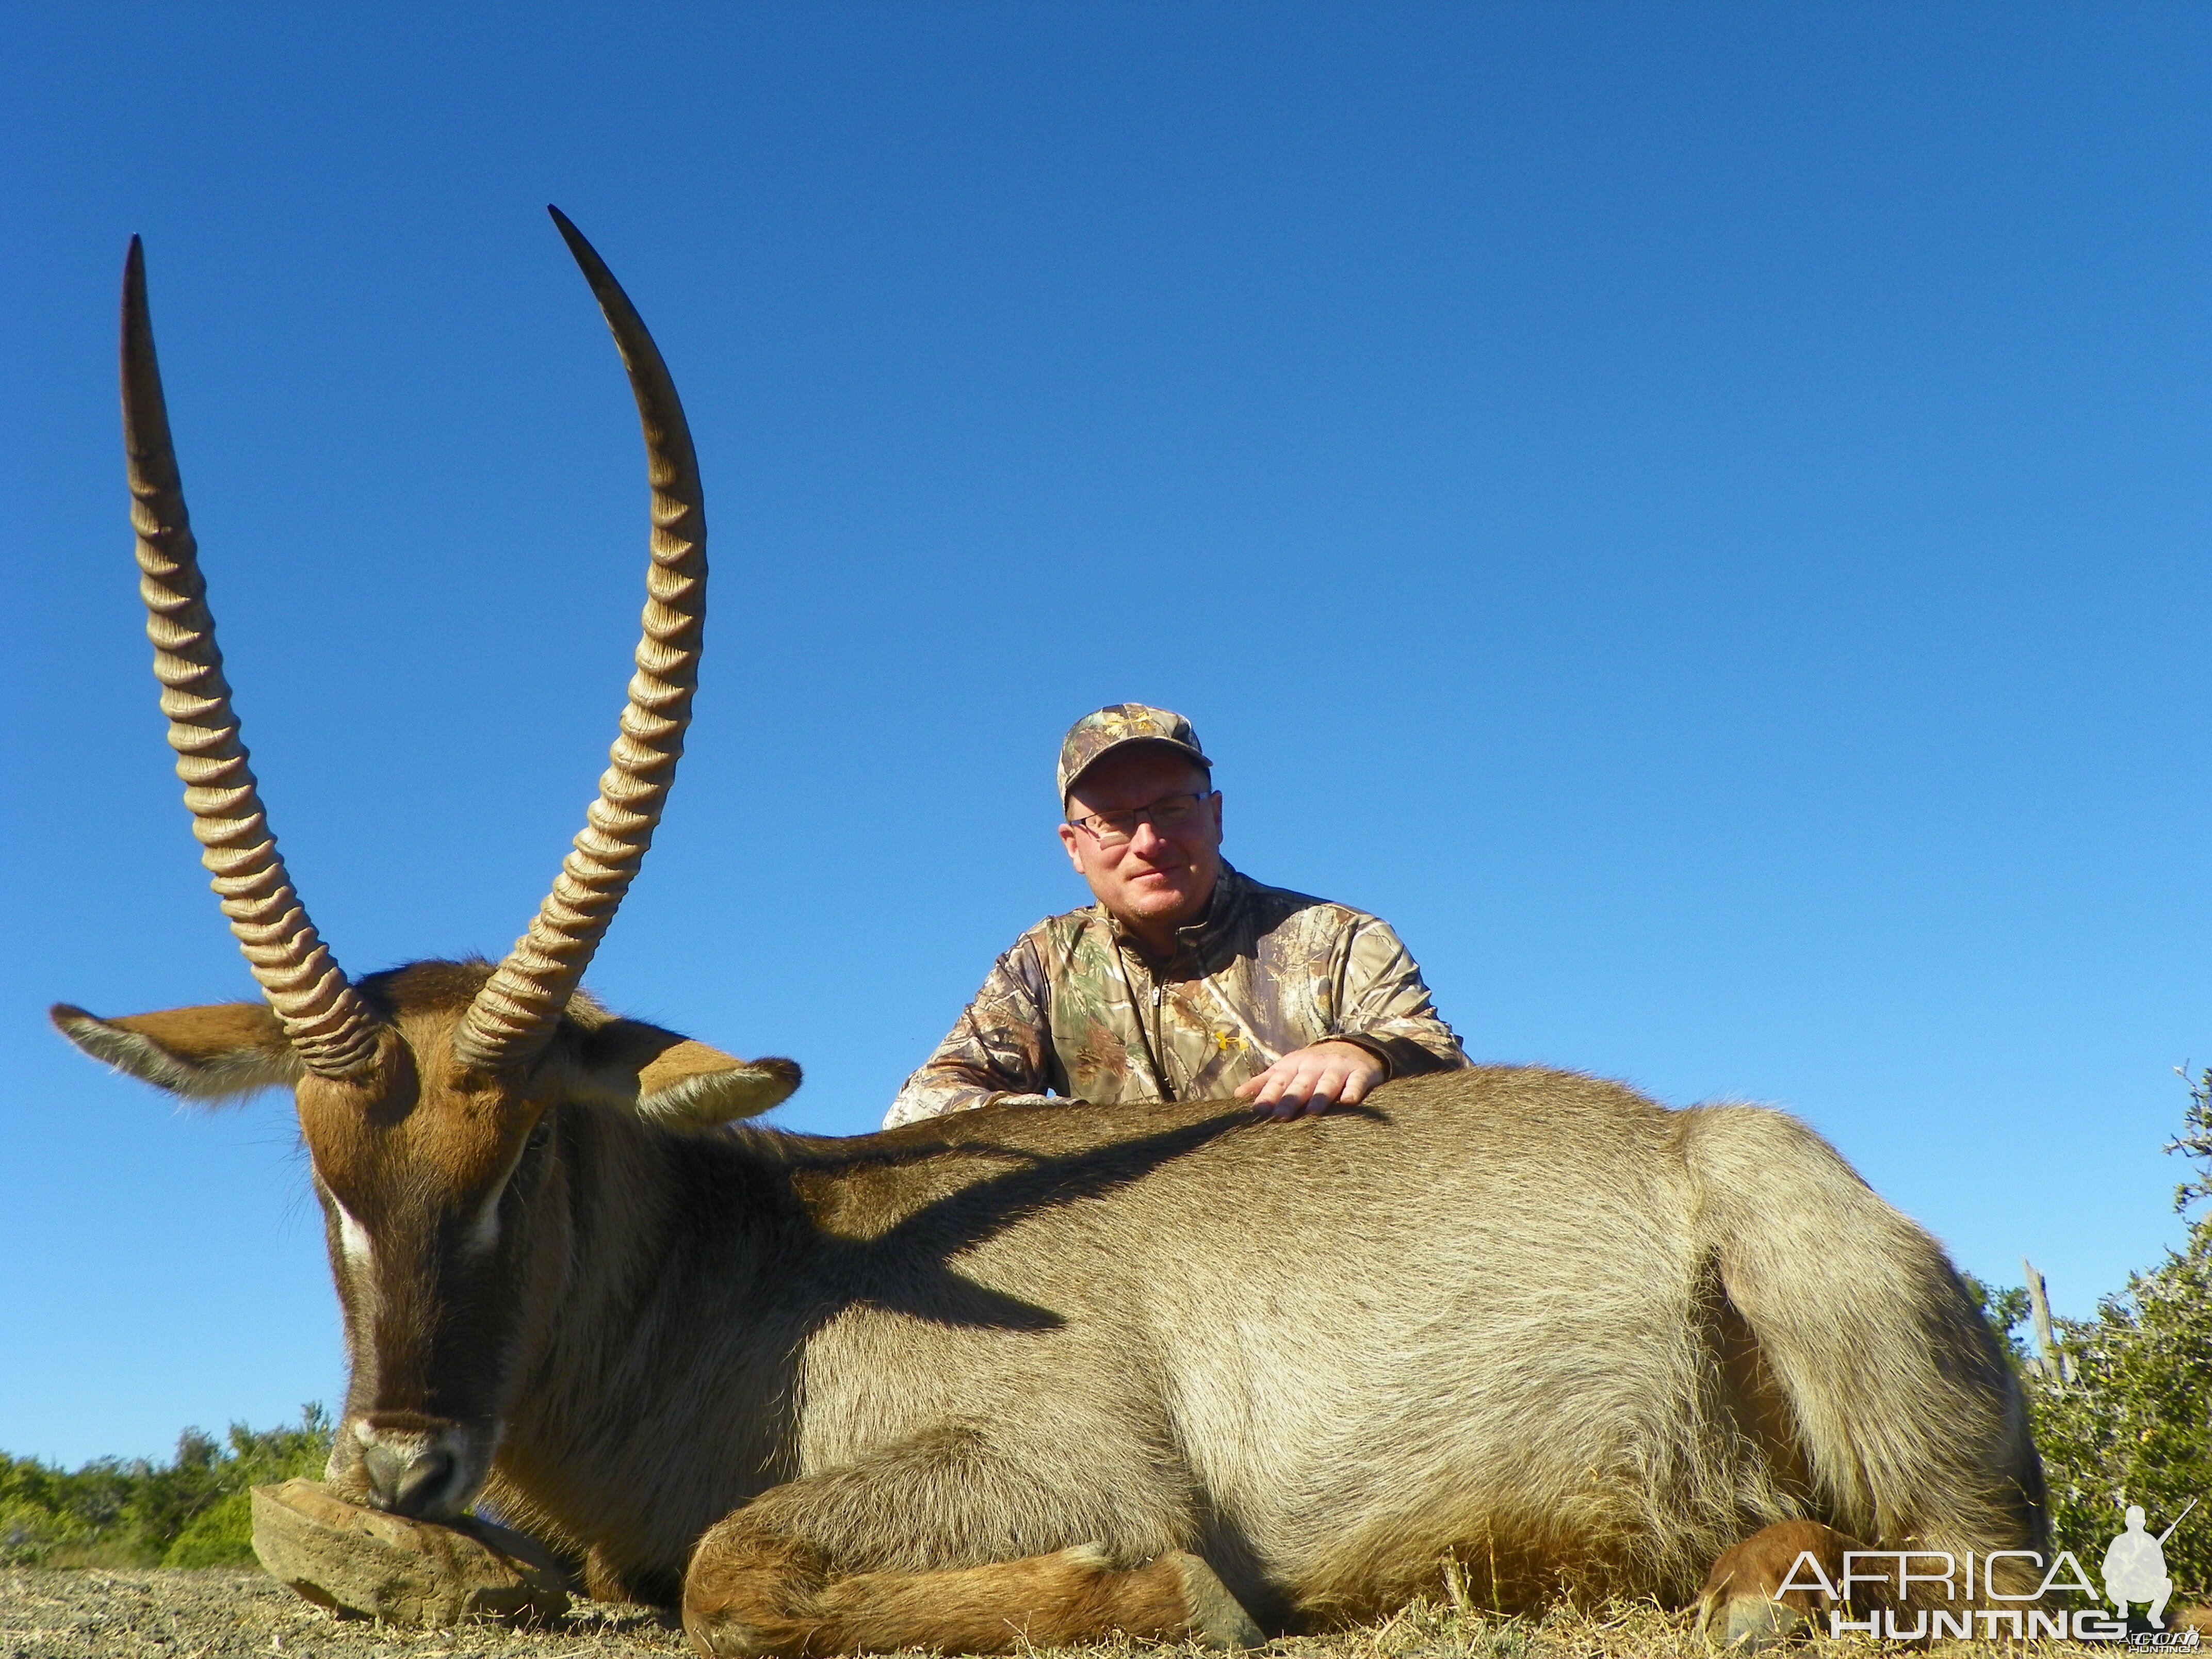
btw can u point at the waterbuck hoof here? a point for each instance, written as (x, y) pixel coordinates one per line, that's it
(364, 1564)
(1217, 1620)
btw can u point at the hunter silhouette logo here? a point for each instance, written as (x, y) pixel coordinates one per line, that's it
(2135, 1566)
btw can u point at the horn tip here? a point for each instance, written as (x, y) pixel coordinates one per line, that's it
(587, 257)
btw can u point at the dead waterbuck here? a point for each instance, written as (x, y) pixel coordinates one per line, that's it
(1030, 1374)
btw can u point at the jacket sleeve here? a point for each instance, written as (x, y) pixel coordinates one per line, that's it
(1386, 1008)
(997, 1049)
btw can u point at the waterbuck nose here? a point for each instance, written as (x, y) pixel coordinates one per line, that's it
(407, 1481)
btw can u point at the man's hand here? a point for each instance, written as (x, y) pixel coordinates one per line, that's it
(1309, 1080)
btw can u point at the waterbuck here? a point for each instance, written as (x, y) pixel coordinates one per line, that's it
(1034, 1374)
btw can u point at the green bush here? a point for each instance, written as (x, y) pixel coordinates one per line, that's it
(220, 1536)
(2124, 1415)
(193, 1511)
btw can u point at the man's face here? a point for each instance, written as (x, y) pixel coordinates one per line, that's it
(1158, 880)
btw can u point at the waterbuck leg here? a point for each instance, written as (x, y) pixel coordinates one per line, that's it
(751, 1592)
(1744, 1606)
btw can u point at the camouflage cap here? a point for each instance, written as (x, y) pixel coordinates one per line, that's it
(1091, 737)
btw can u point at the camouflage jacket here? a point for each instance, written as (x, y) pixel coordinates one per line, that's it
(1080, 1009)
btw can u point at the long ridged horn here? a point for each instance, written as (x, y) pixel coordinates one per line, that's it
(328, 1024)
(514, 1014)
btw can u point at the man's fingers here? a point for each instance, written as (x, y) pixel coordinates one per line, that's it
(1344, 1081)
(1330, 1087)
(1277, 1087)
(1312, 1080)
(1310, 1088)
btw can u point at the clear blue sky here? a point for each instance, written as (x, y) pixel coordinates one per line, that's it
(1699, 514)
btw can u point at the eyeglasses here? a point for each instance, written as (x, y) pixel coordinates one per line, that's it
(1167, 815)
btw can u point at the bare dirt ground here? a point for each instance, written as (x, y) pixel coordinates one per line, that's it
(92, 1615)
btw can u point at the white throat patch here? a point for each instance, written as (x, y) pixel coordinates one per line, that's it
(353, 1238)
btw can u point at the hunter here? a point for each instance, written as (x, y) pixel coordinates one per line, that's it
(1187, 980)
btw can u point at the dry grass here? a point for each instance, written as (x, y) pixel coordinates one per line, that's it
(49, 1615)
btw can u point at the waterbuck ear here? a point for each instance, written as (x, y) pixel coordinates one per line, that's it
(219, 1051)
(672, 1081)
